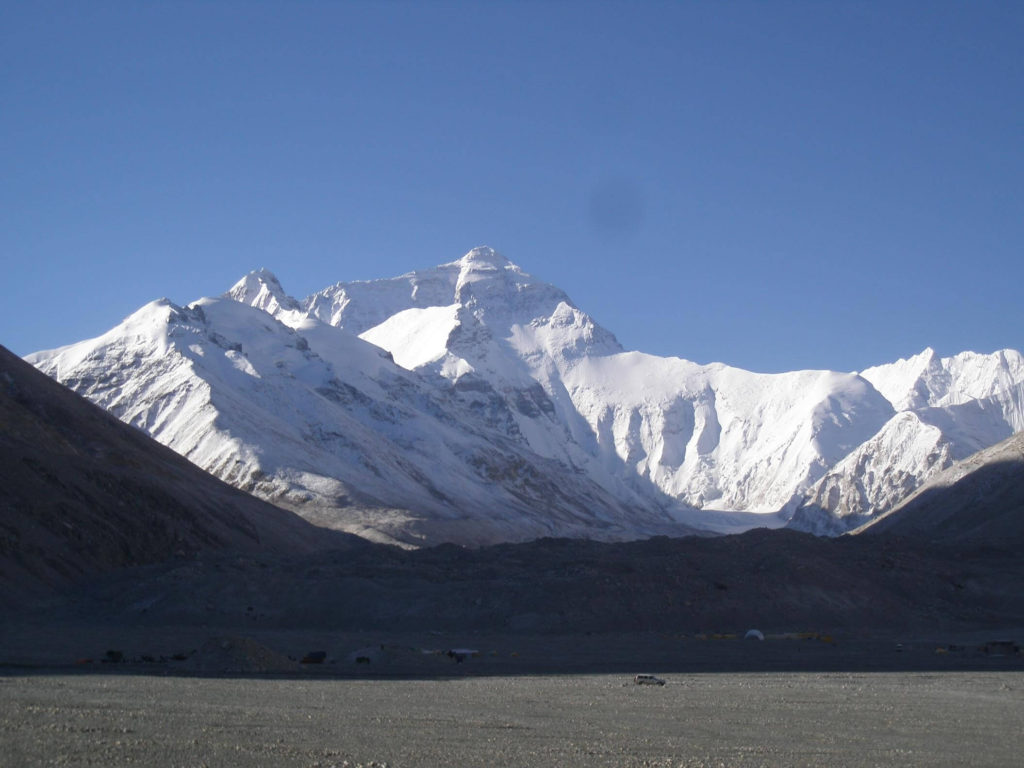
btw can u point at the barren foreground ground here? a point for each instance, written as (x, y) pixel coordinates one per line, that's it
(750, 719)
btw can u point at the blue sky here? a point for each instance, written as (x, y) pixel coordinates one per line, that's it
(771, 185)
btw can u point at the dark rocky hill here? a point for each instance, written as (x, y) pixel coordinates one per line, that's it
(84, 493)
(778, 581)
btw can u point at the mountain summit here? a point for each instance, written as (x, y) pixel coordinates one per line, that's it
(484, 257)
(261, 289)
(472, 402)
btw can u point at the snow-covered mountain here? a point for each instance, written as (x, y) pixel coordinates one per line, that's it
(517, 351)
(316, 420)
(472, 402)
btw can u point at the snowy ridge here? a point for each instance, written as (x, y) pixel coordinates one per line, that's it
(478, 403)
(928, 380)
(728, 439)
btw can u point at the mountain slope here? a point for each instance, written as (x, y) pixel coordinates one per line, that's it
(978, 501)
(948, 408)
(85, 493)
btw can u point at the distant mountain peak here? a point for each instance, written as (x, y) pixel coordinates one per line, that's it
(485, 257)
(923, 359)
(261, 289)
(484, 266)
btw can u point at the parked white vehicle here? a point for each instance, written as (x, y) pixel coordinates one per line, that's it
(648, 680)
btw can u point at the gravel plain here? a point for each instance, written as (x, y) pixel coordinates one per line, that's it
(716, 719)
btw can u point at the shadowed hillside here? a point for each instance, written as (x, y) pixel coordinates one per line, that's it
(84, 493)
(776, 580)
